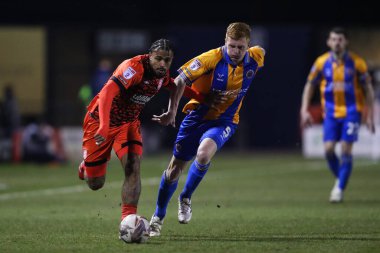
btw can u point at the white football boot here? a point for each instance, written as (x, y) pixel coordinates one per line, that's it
(184, 210)
(336, 195)
(155, 225)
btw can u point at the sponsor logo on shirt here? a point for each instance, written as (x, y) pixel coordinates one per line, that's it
(340, 86)
(140, 99)
(129, 73)
(196, 64)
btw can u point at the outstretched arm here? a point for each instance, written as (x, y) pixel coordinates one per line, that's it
(211, 99)
(308, 92)
(370, 97)
(187, 92)
(168, 118)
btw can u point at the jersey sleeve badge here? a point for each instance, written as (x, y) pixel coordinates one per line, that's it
(129, 73)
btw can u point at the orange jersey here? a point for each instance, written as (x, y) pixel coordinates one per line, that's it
(137, 85)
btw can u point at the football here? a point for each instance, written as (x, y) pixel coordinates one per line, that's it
(134, 228)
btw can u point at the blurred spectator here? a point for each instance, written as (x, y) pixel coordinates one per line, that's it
(2, 119)
(10, 122)
(38, 144)
(11, 114)
(85, 96)
(101, 75)
(376, 82)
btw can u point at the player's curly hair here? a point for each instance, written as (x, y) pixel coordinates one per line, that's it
(238, 30)
(161, 44)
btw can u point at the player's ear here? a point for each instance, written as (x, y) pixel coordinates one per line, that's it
(346, 42)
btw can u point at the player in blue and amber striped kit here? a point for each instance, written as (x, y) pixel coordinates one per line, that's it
(345, 90)
(228, 70)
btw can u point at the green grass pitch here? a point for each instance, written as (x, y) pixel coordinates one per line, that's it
(246, 203)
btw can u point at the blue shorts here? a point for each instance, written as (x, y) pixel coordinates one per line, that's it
(193, 130)
(343, 129)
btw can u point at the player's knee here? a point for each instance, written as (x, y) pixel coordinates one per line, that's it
(329, 150)
(329, 153)
(96, 183)
(346, 148)
(203, 157)
(346, 152)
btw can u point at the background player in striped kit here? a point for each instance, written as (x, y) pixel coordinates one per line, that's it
(345, 86)
(229, 69)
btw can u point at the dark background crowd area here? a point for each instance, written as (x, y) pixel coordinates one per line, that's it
(80, 34)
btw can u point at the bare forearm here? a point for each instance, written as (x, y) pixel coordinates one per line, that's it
(308, 93)
(370, 98)
(176, 95)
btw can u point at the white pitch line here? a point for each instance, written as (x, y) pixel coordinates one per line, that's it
(67, 189)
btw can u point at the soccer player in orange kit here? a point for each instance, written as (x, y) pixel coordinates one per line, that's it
(112, 119)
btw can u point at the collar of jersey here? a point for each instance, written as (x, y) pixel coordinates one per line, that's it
(227, 58)
(333, 59)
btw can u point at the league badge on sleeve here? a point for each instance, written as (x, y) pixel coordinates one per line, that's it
(196, 64)
(129, 73)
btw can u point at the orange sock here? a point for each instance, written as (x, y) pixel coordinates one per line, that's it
(127, 209)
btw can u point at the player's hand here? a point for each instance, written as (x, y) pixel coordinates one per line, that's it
(306, 120)
(165, 119)
(217, 97)
(99, 139)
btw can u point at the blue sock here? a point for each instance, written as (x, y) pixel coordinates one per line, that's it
(345, 171)
(194, 177)
(333, 163)
(165, 193)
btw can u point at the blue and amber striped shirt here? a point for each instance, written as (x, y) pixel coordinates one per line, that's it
(340, 82)
(214, 70)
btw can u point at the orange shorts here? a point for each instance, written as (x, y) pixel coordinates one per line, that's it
(122, 139)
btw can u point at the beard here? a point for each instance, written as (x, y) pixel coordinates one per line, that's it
(160, 73)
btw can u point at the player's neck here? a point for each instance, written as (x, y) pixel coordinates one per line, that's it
(338, 55)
